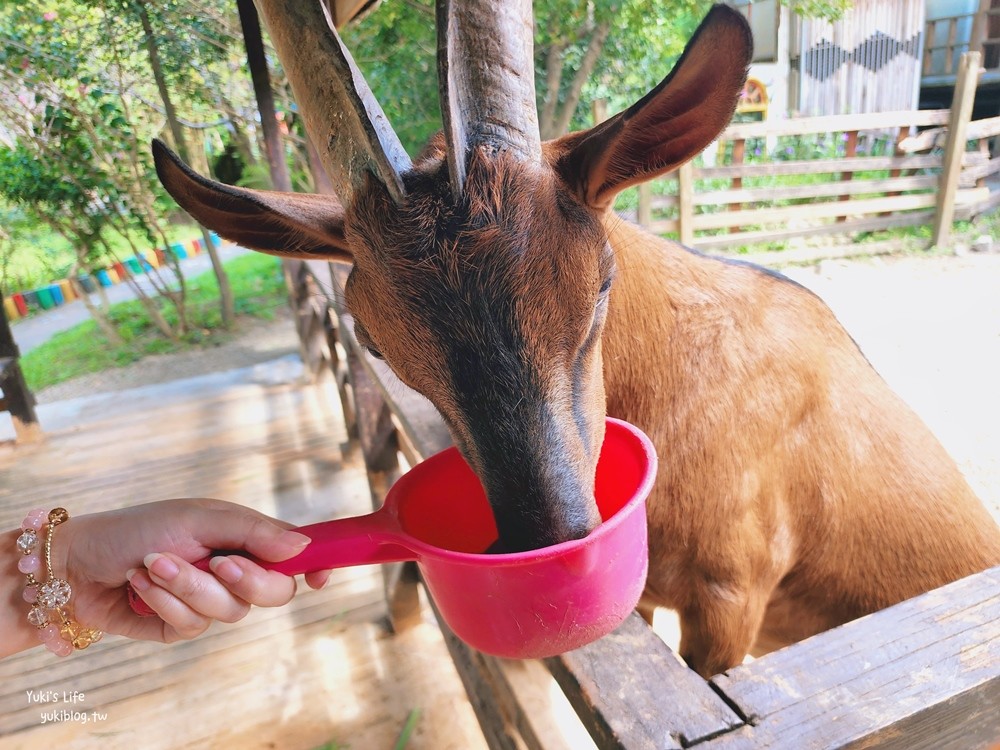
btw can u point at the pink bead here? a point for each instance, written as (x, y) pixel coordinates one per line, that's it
(59, 647)
(30, 594)
(46, 634)
(34, 520)
(29, 564)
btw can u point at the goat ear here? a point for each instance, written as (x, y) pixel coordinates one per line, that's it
(292, 225)
(668, 126)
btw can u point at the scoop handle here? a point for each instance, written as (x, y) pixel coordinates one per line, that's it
(343, 542)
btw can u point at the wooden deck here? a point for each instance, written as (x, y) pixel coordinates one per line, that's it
(320, 670)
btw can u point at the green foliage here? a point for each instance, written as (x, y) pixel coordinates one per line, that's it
(259, 289)
(395, 46)
(828, 10)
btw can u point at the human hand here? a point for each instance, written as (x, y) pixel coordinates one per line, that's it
(152, 547)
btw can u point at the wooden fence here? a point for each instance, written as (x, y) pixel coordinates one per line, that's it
(923, 674)
(879, 171)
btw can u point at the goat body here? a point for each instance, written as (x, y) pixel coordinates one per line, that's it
(796, 491)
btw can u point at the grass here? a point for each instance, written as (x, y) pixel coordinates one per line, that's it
(39, 256)
(258, 290)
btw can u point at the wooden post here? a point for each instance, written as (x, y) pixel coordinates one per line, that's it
(645, 207)
(599, 109)
(980, 26)
(685, 204)
(961, 112)
(739, 152)
(15, 396)
(850, 151)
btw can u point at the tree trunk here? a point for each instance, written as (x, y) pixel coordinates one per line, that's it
(321, 180)
(257, 62)
(225, 291)
(587, 64)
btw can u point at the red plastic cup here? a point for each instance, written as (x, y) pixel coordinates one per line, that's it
(523, 605)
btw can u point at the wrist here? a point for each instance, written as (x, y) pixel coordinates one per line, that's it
(19, 634)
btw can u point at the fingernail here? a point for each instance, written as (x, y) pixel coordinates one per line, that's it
(225, 569)
(294, 539)
(162, 567)
(139, 583)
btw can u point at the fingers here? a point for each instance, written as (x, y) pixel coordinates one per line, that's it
(251, 583)
(179, 621)
(254, 532)
(317, 579)
(185, 597)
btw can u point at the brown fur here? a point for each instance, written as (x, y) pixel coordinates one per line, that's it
(796, 491)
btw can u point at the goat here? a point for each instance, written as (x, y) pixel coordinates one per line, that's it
(795, 490)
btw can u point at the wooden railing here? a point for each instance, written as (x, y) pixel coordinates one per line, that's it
(875, 175)
(922, 674)
(948, 37)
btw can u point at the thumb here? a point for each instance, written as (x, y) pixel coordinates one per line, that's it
(261, 536)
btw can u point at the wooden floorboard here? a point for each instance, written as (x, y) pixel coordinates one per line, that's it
(322, 669)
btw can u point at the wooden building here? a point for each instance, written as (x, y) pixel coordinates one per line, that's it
(869, 61)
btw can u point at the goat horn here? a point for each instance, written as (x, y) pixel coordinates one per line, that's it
(486, 80)
(344, 121)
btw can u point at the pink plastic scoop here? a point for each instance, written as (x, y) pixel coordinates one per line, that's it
(519, 605)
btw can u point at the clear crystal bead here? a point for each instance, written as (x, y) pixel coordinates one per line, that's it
(54, 593)
(27, 541)
(38, 617)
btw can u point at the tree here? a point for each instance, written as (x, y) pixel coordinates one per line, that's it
(615, 50)
(75, 161)
(152, 45)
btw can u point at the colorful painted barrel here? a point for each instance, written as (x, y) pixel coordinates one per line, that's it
(44, 296)
(10, 309)
(120, 270)
(216, 240)
(133, 266)
(88, 283)
(178, 250)
(57, 296)
(20, 303)
(68, 292)
(195, 246)
(31, 299)
(104, 277)
(114, 275)
(151, 260)
(161, 257)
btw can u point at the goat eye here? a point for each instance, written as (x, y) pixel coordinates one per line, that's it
(375, 353)
(606, 286)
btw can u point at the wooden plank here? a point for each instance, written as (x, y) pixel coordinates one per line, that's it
(631, 691)
(971, 175)
(979, 129)
(813, 191)
(961, 111)
(663, 226)
(873, 224)
(825, 210)
(820, 166)
(920, 675)
(499, 729)
(685, 203)
(836, 123)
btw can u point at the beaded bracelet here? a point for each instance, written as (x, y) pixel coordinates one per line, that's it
(49, 599)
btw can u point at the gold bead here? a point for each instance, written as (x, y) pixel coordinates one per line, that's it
(58, 515)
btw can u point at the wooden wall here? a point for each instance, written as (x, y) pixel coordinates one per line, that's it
(867, 62)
